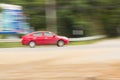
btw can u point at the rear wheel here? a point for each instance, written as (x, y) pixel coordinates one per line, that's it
(32, 44)
(60, 43)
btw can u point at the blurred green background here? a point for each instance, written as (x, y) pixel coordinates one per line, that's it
(73, 18)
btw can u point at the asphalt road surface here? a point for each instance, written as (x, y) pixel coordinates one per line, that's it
(98, 61)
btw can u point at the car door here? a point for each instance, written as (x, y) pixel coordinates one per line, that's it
(49, 38)
(39, 38)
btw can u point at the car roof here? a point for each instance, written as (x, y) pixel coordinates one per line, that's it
(42, 31)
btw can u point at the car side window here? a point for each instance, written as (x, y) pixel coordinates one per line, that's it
(37, 34)
(49, 34)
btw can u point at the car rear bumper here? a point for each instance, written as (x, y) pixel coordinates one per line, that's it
(24, 42)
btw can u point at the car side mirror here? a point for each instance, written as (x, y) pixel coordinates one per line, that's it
(54, 35)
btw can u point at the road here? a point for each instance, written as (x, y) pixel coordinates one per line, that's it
(98, 61)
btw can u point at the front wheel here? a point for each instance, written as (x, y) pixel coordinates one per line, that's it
(32, 44)
(60, 43)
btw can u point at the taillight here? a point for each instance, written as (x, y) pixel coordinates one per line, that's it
(23, 37)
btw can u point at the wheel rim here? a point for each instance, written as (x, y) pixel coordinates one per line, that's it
(60, 43)
(32, 44)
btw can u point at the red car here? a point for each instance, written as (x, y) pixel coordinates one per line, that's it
(43, 38)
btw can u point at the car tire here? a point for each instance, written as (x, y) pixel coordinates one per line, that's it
(60, 43)
(32, 44)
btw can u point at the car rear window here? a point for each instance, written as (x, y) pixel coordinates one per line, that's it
(37, 34)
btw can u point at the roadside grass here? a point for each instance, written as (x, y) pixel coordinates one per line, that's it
(10, 44)
(83, 42)
(18, 44)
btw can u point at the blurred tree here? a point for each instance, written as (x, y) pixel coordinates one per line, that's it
(99, 16)
(94, 16)
(50, 10)
(110, 17)
(35, 11)
(80, 14)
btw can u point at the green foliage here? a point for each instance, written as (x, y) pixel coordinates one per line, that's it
(95, 16)
(10, 44)
(35, 12)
